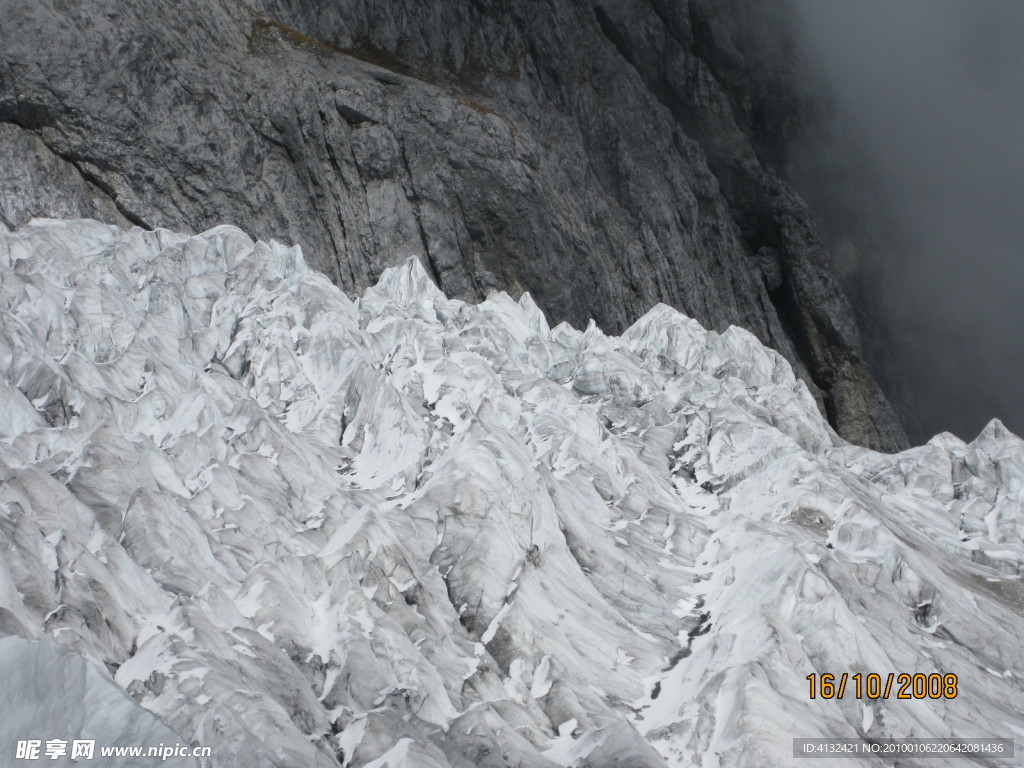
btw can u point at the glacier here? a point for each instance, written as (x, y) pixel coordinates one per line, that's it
(240, 509)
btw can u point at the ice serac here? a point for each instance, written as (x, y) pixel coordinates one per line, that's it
(601, 156)
(404, 530)
(51, 693)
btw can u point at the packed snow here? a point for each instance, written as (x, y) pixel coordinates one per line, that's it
(405, 531)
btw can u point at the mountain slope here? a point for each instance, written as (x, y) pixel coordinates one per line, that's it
(409, 531)
(602, 157)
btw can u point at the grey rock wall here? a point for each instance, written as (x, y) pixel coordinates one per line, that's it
(35, 181)
(603, 157)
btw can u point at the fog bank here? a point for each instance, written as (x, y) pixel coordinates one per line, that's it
(934, 91)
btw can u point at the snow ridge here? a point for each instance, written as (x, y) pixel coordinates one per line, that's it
(409, 531)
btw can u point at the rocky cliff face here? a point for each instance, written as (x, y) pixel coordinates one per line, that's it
(603, 157)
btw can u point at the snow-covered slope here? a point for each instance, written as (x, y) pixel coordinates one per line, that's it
(406, 531)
